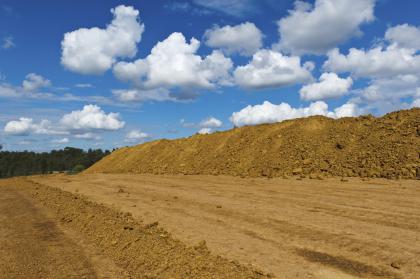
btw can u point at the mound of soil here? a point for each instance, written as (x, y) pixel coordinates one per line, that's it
(316, 146)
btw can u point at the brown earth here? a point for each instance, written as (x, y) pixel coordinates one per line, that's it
(365, 146)
(291, 228)
(48, 233)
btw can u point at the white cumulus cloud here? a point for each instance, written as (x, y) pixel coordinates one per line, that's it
(244, 38)
(173, 63)
(26, 126)
(329, 86)
(33, 82)
(269, 68)
(95, 50)
(393, 68)
(404, 35)
(205, 131)
(211, 122)
(387, 94)
(136, 136)
(271, 113)
(316, 29)
(376, 62)
(91, 117)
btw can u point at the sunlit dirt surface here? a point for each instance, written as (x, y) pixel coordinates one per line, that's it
(291, 228)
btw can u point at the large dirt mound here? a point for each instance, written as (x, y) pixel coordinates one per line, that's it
(317, 146)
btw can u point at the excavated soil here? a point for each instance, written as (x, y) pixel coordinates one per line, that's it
(49, 233)
(365, 146)
(290, 228)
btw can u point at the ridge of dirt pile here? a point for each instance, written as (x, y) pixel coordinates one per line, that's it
(364, 146)
(143, 250)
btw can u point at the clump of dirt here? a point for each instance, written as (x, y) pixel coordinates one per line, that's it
(143, 250)
(363, 146)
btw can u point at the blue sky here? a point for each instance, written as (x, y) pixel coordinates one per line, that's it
(106, 74)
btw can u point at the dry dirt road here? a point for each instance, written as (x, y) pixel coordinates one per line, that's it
(291, 228)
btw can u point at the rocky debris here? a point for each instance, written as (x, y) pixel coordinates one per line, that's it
(364, 146)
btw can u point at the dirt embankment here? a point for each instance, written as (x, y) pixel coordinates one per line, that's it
(139, 250)
(365, 146)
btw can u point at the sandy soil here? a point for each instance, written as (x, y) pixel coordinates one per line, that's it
(291, 228)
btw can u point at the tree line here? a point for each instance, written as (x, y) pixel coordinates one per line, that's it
(69, 159)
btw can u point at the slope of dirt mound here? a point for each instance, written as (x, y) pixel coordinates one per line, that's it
(365, 146)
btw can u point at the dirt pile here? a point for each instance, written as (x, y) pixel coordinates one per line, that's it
(142, 250)
(317, 146)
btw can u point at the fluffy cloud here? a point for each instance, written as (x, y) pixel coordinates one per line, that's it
(95, 50)
(387, 94)
(211, 122)
(393, 69)
(207, 125)
(91, 117)
(329, 86)
(244, 38)
(34, 82)
(272, 69)
(271, 113)
(25, 126)
(20, 127)
(136, 136)
(404, 35)
(205, 131)
(317, 29)
(378, 62)
(31, 89)
(173, 63)
(397, 56)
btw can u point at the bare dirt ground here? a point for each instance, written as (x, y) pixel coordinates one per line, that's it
(49, 233)
(33, 245)
(291, 228)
